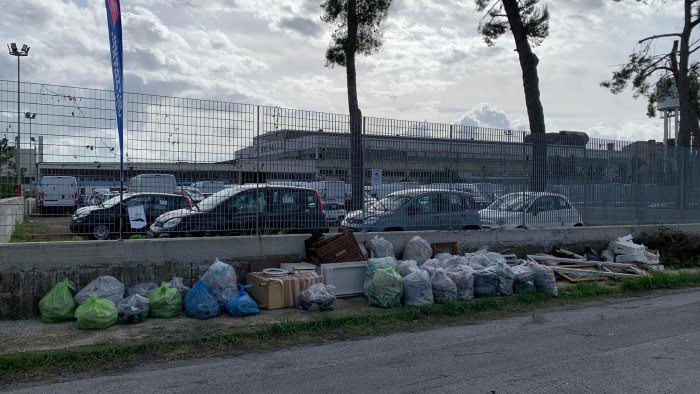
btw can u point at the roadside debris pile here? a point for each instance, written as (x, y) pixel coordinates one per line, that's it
(623, 258)
(426, 274)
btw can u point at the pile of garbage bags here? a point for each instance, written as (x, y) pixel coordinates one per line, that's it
(429, 279)
(102, 303)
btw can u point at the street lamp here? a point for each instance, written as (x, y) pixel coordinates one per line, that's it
(32, 156)
(12, 48)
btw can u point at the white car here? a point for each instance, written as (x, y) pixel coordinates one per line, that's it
(335, 212)
(530, 210)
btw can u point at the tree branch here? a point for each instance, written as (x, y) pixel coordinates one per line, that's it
(660, 36)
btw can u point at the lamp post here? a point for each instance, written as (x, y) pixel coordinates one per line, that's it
(12, 48)
(32, 156)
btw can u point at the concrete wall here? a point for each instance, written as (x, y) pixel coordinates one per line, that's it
(11, 213)
(29, 270)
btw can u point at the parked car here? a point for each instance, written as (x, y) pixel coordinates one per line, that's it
(102, 221)
(58, 193)
(417, 209)
(335, 212)
(531, 210)
(243, 209)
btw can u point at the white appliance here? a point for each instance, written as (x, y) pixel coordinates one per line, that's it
(298, 267)
(348, 278)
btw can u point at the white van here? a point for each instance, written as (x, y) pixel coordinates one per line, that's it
(207, 188)
(57, 192)
(153, 183)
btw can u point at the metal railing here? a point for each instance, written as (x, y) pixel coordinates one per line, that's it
(200, 147)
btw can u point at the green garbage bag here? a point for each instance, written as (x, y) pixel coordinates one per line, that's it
(58, 304)
(164, 301)
(96, 313)
(386, 288)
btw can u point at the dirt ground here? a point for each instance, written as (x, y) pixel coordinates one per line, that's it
(34, 335)
(48, 228)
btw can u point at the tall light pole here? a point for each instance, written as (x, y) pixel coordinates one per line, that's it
(12, 48)
(32, 156)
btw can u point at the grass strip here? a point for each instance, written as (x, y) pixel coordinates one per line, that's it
(30, 366)
(23, 232)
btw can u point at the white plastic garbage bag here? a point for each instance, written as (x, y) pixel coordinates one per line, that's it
(463, 276)
(417, 249)
(544, 278)
(444, 289)
(380, 247)
(106, 286)
(405, 267)
(417, 289)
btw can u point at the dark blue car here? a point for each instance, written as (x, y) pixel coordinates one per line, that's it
(246, 209)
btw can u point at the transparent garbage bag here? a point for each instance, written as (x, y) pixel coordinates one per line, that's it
(96, 313)
(221, 281)
(431, 265)
(200, 303)
(133, 309)
(417, 289)
(485, 282)
(417, 249)
(544, 278)
(58, 304)
(164, 302)
(142, 289)
(319, 294)
(242, 304)
(386, 289)
(506, 279)
(405, 267)
(178, 283)
(524, 279)
(380, 247)
(106, 286)
(373, 264)
(444, 289)
(463, 276)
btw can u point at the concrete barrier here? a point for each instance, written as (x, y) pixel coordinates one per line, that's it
(29, 270)
(11, 214)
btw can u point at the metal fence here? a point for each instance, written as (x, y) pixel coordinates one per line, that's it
(199, 147)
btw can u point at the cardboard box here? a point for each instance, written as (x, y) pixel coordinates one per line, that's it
(298, 267)
(275, 292)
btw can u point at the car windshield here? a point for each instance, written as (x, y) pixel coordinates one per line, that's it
(392, 202)
(215, 199)
(113, 201)
(193, 193)
(511, 202)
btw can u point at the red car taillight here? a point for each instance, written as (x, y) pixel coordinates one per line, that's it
(189, 202)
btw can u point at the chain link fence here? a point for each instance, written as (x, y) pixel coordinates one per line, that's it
(233, 168)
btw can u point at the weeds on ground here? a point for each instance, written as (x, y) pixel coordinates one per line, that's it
(23, 231)
(137, 236)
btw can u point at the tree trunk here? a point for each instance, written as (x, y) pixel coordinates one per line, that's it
(535, 113)
(689, 119)
(356, 159)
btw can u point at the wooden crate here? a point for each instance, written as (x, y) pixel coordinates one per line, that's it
(338, 248)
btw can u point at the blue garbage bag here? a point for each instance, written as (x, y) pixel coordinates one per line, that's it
(242, 304)
(200, 303)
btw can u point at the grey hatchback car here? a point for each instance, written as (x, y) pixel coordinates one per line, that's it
(417, 209)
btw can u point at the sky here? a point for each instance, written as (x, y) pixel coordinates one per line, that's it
(433, 66)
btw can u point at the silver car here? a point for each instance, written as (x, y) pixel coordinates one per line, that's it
(417, 209)
(531, 210)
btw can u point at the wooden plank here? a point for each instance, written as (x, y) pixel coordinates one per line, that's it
(592, 272)
(573, 279)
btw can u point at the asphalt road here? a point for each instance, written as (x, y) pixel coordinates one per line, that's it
(643, 345)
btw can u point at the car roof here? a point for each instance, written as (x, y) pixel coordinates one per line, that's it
(249, 186)
(536, 194)
(415, 192)
(148, 194)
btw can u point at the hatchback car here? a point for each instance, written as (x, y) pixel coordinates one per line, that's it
(531, 210)
(417, 209)
(244, 209)
(102, 221)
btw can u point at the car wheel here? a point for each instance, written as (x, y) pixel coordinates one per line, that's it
(101, 231)
(578, 225)
(472, 227)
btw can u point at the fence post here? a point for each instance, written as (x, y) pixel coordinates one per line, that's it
(257, 166)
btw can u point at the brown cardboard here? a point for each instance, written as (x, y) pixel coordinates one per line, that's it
(274, 292)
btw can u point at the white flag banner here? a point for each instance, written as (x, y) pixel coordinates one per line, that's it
(137, 216)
